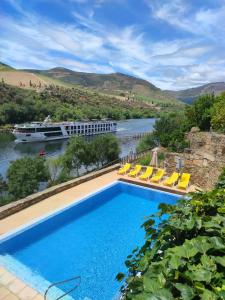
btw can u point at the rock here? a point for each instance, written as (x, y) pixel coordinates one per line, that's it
(195, 129)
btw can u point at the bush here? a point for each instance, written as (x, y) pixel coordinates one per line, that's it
(145, 161)
(98, 151)
(169, 131)
(199, 113)
(184, 256)
(146, 143)
(218, 113)
(221, 181)
(24, 176)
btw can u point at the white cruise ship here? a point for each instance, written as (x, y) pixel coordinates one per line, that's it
(47, 130)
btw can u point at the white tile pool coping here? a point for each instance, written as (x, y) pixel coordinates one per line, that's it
(38, 282)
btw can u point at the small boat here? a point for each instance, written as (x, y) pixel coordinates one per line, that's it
(48, 130)
(42, 152)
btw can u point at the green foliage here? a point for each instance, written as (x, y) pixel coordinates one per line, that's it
(218, 113)
(221, 180)
(97, 151)
(199, 113)
(169, 131)
(24, 176)
(74, 154)
(145, 161)
(2, 185)
(19, 105)
(184, 256)
(147, 142)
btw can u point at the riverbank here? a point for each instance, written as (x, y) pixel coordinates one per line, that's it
(126, 130)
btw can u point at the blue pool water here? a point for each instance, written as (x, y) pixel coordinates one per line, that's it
(91, 239)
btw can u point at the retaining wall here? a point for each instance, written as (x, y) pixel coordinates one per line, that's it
(18, 205)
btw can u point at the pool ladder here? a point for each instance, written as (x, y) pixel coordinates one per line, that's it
(77, 278)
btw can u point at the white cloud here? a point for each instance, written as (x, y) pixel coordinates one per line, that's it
(89, 46)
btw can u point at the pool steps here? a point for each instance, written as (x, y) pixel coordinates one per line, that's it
(62, 282)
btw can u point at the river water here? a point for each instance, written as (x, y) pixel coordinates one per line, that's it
(9, 150)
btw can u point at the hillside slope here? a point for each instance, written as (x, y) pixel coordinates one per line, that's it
(189, 95)
(118, 85)
(114, 84)
(5, 67)
(18, 105)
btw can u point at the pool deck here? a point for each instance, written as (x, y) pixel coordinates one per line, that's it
(12, 288)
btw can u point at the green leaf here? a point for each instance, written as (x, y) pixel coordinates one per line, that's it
(175, 261)
(198, 273)
(219, 260)
(208, 263)
(221, 210)
(120, 276)
(151, 284)
(201, 244)
(186, 250)
(208, 295)
(186, 291)
(217, 243)
(162, 294)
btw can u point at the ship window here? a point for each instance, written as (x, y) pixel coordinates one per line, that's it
(26, 130)
(49, 134)
(46, 129)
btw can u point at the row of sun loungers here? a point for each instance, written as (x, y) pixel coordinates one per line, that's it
(182, 179)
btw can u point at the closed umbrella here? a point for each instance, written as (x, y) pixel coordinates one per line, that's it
(154, 160)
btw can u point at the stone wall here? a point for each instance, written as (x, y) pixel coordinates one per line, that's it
(16, 206)
(204, 160)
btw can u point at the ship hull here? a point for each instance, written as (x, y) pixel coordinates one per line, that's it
(23, 138)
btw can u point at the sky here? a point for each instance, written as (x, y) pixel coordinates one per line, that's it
(174, 44)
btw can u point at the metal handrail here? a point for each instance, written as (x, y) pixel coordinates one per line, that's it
(61, 282)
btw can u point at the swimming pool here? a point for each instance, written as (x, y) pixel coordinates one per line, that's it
(90, 238)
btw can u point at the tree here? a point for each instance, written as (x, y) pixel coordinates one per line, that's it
(2, 185)
(169, 131)
(74, 154)
(218, 113)
(199, 113)
(105, 148)
(147, 142)
(24, 176)
(55, 168)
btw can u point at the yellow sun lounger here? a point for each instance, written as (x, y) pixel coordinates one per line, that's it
(135, 171)
(147, 173)
(172, 179)
(159, 174)
(124, 169)
(184, 181)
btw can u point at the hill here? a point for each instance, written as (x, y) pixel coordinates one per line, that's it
(18, 105)
(28, 80)
(114, 84)
(5, 67)
(118, 85)
(189, 95)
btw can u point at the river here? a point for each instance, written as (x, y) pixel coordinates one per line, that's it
(9, 150)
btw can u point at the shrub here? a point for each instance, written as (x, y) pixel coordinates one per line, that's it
(146, 143)
(184, 256)
(145, 161)
(24, 176)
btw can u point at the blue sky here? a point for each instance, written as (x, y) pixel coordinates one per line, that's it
(174, 44)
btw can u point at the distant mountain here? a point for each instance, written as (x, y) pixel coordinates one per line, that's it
(115, 83)
(189, 95)
(5, 67)
(122, 86)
